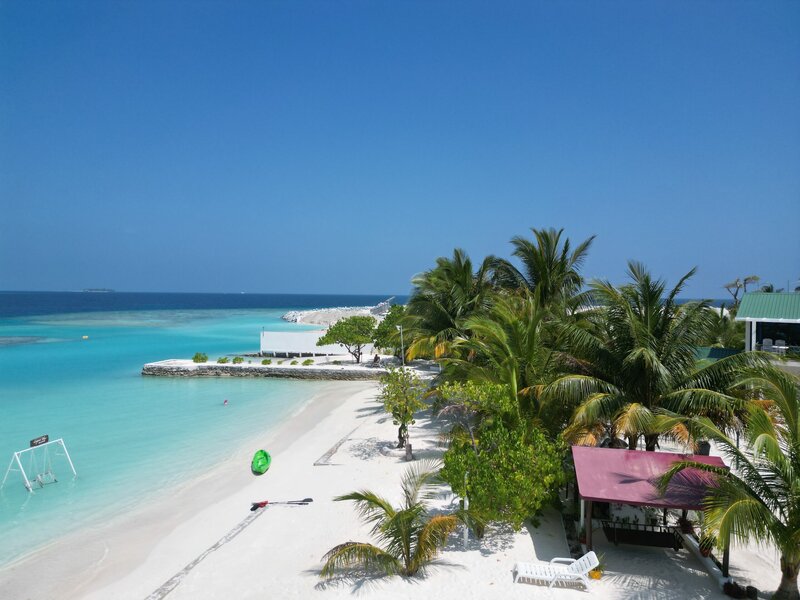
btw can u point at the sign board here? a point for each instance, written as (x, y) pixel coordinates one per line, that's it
(42, 439)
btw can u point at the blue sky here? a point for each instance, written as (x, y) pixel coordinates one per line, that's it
(342, 146)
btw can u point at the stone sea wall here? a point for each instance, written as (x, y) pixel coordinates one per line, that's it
(333, 373)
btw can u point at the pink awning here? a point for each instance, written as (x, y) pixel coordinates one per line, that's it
(630, 477)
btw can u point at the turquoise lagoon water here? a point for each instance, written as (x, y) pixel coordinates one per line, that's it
(129, 436)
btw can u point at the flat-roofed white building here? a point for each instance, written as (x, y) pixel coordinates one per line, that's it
(300, 343)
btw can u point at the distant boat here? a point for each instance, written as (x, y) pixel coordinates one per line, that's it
(98, 290)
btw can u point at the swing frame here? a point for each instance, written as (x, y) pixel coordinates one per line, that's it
(38, 478)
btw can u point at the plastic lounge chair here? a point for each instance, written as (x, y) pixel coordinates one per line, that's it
(766, 345)
(558, 570)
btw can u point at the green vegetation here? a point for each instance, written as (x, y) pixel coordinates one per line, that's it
(308, 361)
(294, 362)
(266, 361)
(237, 360)
(386, 336)
(401, 393)
(200, 357)
(353, 333)
(223, 360)
(409, 536)
(759, 500)
(508, 469)
(533, 358)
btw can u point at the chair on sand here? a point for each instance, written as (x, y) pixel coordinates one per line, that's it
(558, 569)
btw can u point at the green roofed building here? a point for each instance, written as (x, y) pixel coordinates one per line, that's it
(772, 321)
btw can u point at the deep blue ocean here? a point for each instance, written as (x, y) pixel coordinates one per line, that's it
(70, 366)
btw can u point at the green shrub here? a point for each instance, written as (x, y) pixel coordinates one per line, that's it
(280, 362)
(200, 357)
(266, 361)
(294, 362)
(222, 361)
(307, 362)
(237, 360)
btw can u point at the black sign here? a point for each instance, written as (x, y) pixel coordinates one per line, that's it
(42, 439)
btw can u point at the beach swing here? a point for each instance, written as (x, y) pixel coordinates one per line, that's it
(39, 461)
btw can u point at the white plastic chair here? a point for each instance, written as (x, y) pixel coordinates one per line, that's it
(780, 346)
(558, 570)
(766, 345)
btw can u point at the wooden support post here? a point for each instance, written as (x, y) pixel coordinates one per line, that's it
(664, 520)
(589, 525)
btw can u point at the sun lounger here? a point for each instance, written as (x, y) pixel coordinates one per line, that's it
(558, 570)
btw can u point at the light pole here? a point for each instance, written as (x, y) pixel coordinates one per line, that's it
(402, 347)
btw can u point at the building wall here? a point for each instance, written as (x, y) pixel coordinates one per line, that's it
(300, 342)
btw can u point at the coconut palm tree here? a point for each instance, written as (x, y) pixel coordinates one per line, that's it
(638, 357)
(550, 268)
(442, 298)
(409, 536)
(510, 344)
(759, 497)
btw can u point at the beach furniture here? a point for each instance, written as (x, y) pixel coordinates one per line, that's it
(766, 345)
(780, 346)
(558, 570)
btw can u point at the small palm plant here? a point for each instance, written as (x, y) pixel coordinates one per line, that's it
(410, 536)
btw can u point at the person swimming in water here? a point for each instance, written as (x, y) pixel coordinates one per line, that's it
(225, 403)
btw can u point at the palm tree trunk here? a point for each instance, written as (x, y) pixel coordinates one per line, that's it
(787, 590)
(650, 442)
(633, 441)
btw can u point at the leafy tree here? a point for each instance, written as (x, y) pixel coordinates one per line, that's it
(550, 268)
(740, 285)
(770, 288)
(441, 299)
(401, 393)
(639, 358)
(506, 470)
(507, 474)
(759, 497)
(409, 536)
(352, 332)
(386, 334)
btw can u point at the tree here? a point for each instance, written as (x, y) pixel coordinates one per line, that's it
(507, 470)
(409, 536)
(510, 344)
(769, 288)
(442, 298)
(352, 332)
(551, 269)
(758, 499)
(401, 393)
(725, 331)
(386, 334)
(738, 285)
(639, 357)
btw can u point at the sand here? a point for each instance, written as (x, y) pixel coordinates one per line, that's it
(278, 553)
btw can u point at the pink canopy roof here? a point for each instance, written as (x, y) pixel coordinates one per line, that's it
(630, 477)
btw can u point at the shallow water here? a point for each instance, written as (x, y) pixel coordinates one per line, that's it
(129, 436)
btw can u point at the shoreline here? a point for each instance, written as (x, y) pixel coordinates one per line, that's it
(80, 562)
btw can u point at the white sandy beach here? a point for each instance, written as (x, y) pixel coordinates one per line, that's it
(277, 555)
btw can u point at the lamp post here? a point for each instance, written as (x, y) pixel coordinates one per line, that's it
(402, 346)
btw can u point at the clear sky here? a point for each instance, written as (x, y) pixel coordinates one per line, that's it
(340, 147)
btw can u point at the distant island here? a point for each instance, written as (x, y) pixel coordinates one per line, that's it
(103, 290)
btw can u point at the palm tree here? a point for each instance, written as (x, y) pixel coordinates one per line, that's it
(638, 358)
(509, 344)
(551, 269)
(442, 298)
(759, 497)
(410, 536)
(725, 331)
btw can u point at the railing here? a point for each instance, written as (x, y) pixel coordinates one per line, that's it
(659, 536)
(779, 349)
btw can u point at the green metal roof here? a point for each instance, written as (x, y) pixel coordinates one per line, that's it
(763, 306)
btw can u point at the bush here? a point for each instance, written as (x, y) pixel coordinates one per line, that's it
(294, 362)
(237, 360)
(280, 362)
(307, 362)
(200, 357)
(222, 361)
(266, 361)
